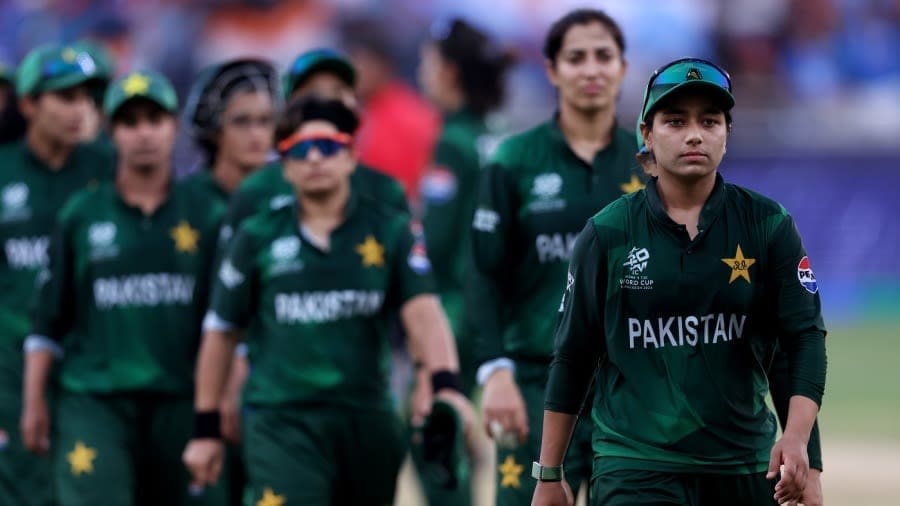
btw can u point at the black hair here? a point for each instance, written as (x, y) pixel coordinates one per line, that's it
(12, 123)
(554, 40)
(482, 65)
(312, 108)
(126, 111)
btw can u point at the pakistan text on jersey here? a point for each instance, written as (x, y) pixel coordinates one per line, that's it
(26, 252)
(675, 331)
(554, 247)
(143, 290)
(322, 307)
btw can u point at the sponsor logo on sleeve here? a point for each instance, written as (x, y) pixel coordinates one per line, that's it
(806, 276)
(438, 185)
(486, 220)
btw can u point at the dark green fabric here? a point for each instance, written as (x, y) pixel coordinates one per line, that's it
(206, 186)
(130, 450)
(653, 488)
(438, 451)
(31, 195)
(534, 197)
(115, 274)
(532, 381)
(780, 387)
(684, 331)
(323, 455)
(322, 316)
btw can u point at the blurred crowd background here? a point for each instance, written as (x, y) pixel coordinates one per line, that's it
(817, 84)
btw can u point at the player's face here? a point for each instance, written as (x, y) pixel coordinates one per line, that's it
(248, 129)
(59, 116)
(321, 172)
(328, 86)
(688, 136)
(589, 69)
(144, 135)
(433, 73)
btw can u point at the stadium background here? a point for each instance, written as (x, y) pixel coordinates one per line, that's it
(817, 127)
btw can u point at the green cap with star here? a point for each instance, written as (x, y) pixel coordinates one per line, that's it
(53, 68)
(141, 84)
(687, 73)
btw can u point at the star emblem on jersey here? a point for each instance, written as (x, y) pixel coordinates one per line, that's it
(372, 252)
(511, 472)
(81, 459)
(632, 186)
(185, 237)
(136, 84)
(270, 498)
(740, 266)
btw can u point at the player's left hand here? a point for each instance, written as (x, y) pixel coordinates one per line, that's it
(204, 458)
(463, 407)
(789, 451)
(812, 494)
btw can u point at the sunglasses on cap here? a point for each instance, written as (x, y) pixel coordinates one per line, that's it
(297, 147)
(77, 63)
(679, 72)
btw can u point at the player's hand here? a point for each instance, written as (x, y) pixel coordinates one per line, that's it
(790, 452)
(203, 458)
(463, 407)
(421, 399)
(35, 426)
(552, 493)
(502, 403)
(812, 494)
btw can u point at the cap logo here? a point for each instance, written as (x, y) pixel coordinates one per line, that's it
(136, 84)
(693, 75)
(69, 55)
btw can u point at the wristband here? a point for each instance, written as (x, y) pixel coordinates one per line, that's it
(207, 425)
(546, 473)
(446, 379)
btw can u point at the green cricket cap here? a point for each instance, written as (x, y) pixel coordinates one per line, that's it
(140, 84)
(319, 60)
(686, 73)
(52, 68)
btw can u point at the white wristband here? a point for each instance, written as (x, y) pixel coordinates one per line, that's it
(35, 343)
(487, 369)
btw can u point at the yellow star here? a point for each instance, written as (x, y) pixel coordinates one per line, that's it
(136, 84)
(270, 498)
(185, 237)
(69, 55)
(372, 252)
(82, 459)
(740, 266)
(632, 186)
(511, 472)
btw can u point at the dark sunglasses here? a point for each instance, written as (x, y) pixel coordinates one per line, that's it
(682, 70)
(297, 147)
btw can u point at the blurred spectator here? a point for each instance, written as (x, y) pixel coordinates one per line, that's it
(399, 128)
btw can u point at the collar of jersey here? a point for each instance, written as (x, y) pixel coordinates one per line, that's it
(711, 209)
(349, 213)
(36, 162)
(556, 135)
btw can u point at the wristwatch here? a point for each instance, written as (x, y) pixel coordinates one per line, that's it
(546, 473)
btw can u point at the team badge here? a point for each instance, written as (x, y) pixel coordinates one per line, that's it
(438, 185)
(81, 459)
(806, 276)
(185, 237)
(633, 185)
(511, 471)
(739, 265)
(371, 251)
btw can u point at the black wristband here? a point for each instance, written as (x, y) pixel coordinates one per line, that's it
(446, 379)
(206, 425)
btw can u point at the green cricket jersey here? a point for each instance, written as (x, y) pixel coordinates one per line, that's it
(448, 190)
(31, 195)
(125, 292)
(684, 331)
(206, 186)
(534, 197)
(267, 189)
(321, 317)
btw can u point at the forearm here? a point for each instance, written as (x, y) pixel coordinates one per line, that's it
(801, 416)
(240, 368)
(430, 338)
(38, 365)
(555, 438)
(213, 364)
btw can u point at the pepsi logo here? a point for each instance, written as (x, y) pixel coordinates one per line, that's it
(806, 276)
